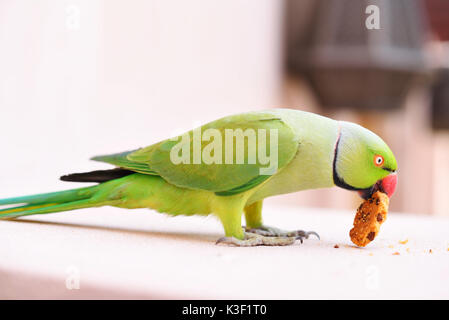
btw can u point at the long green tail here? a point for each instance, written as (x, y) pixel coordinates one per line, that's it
(50, 202)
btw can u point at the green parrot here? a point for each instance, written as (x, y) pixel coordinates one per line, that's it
(228, 167)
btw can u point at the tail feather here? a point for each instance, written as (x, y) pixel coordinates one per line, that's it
(50, 202)
(98, 176)
(45, 208)
(60, 196)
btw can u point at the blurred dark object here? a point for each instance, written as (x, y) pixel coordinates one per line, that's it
(349, 65)
(438, 16)
(440, 100)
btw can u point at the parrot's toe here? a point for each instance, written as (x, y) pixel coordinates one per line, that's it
(275, 232)
(253, 239)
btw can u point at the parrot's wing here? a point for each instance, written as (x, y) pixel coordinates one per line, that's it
(121, 160)
(224, 177)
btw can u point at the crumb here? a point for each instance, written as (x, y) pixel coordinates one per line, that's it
(396, 253)
(404, 241)
(408, 250)
(336, 246)
(391, 246)
(370, 254)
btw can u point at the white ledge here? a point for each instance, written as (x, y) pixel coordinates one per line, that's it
(143, 254)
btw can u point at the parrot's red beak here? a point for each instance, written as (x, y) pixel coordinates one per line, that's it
(386, 185)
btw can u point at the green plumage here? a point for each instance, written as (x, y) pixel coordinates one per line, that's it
(222, 178)
(306, 145)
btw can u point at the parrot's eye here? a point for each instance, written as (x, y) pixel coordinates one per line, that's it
(378, 160)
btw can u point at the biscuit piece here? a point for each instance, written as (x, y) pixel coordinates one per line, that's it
(370, 215)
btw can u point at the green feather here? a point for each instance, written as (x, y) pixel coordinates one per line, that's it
(121, 160)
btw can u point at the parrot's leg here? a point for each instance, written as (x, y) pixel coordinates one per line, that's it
(229, 212)
(253, 215)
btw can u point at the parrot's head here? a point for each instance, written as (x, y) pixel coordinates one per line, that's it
(363, 162)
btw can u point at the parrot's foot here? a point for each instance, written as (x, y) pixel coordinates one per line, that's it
(252, 239)
(275, 232)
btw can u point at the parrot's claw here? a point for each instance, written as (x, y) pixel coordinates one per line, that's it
(252, 239)
(275, 232)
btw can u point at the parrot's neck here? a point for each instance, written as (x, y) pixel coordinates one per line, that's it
(312, 166)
